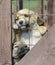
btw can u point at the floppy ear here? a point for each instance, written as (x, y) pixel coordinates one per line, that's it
(42, 29)
(40, 21)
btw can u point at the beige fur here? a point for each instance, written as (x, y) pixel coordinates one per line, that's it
(29, 35)
(34, 21)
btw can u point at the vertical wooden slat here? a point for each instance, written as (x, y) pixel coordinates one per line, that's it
(42, 12)
(54, 12)
(50, 11)
(40, 9)
(5, 32)
(19, 4)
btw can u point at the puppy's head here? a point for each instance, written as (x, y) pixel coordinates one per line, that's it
(24, 19)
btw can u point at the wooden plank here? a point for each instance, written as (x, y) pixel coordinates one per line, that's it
(42, 8)
(19, 4)
(43, 53)
(39, 10)
(54, 12)
(5, 32)
(50, 11)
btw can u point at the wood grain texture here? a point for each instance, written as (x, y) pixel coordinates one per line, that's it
(50, 8)
(19, 4)
(5, 32)
(43, 53)
(54, 12)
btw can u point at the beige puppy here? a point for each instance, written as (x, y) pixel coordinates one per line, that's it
(28, 23)
(27, 17)
(28, 28)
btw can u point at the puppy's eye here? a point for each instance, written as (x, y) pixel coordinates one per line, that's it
(16, 18)
(26, 15)
(16, 46)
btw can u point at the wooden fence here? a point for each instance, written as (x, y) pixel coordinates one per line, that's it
(5, 32)
(5, 39)
(50, 9)
(43, 53)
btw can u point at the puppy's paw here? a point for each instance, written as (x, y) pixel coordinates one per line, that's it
(19, 50)
(15, 26)
(42, 29)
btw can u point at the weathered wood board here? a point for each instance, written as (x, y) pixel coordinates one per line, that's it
(5, 32)
(43, 53)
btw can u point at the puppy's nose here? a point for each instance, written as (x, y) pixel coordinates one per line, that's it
(21, 22)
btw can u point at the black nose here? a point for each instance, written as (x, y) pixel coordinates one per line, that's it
(20, 22)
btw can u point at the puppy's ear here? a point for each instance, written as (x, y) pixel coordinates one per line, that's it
(42, 29)
(16, 17)
(40, 21)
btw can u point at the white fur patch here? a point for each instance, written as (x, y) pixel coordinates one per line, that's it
(15, 26)
(31, 38)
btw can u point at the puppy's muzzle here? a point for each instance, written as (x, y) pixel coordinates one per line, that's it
(21, 22)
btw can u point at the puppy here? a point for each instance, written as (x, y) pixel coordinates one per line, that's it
(26, 17)
(29, 28)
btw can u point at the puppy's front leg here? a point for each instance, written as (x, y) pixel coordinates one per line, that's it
(19, 50)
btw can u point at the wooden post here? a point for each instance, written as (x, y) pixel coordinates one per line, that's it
(19, 4)
(50, 11)
(39, 10)
(54, 12)
(5, 32)
(42, 8)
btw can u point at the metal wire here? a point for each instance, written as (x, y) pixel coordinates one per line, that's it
(30, 28)
(29, 22)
